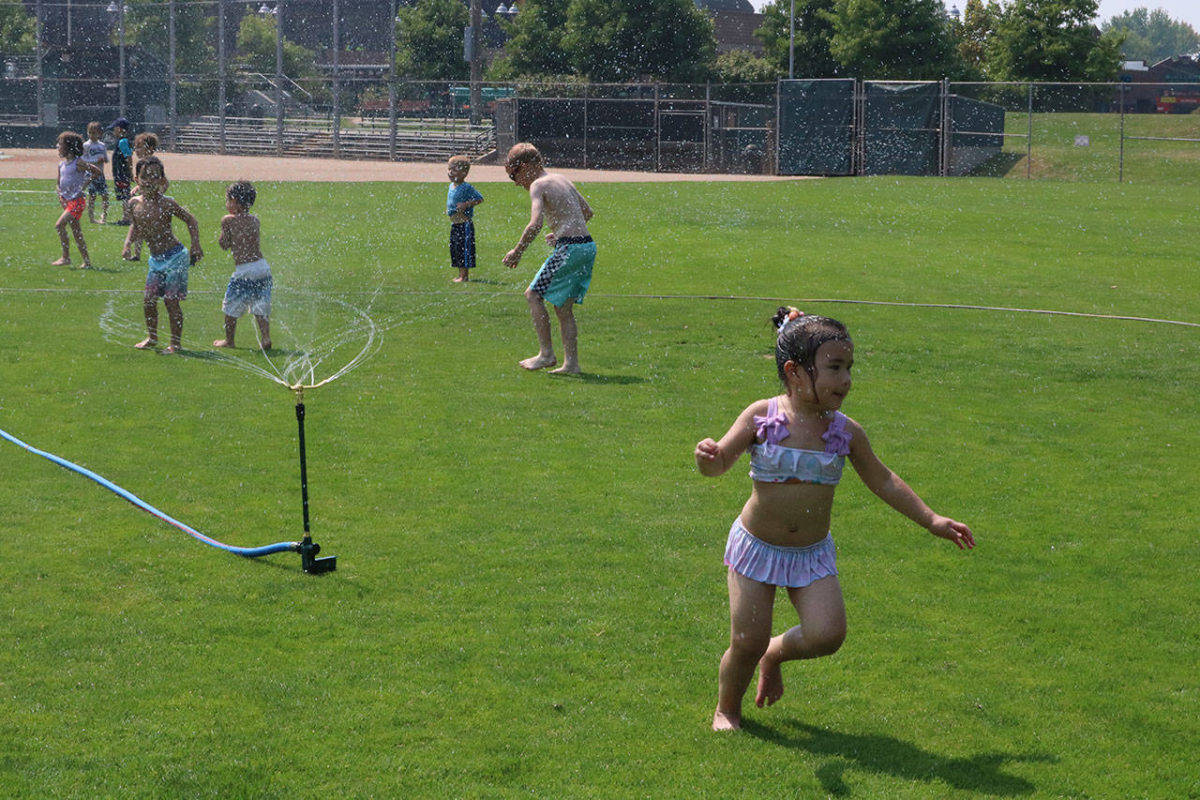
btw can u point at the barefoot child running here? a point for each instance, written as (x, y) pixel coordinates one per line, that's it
(151, 214)
(74, 174)
(798, 442)
(250, 286)
(564, 277)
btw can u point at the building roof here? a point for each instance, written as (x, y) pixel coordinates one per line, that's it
(735, 31)
(739, 6)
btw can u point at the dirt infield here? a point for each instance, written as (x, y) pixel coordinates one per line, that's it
(43, 163)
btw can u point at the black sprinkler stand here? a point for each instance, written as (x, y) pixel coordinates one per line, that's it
(309, 561)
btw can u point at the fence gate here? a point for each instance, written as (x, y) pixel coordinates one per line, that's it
(816, 127)
(900, 130)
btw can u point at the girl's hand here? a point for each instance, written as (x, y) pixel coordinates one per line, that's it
(551, 239)
(708, 450)
(953, 530)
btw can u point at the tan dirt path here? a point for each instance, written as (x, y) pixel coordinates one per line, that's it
(43, 163)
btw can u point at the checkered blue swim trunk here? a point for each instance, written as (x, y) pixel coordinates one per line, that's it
(567, 273)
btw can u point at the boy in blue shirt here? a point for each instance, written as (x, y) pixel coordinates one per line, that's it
(461, 199)
(122, 166)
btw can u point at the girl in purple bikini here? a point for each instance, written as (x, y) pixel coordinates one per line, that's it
(798, 443)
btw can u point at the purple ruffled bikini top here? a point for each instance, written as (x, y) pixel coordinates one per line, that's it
(771, 462)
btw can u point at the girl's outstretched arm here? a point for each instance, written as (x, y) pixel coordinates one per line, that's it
(715, 458)
(891, 489)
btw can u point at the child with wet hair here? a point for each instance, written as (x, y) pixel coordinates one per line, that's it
(461, 199)
(798, 443)
(145, 145)
(167, 276)
(250, 285)
(74, 174)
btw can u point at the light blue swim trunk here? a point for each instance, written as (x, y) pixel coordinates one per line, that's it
(567, 273)
(168, 274)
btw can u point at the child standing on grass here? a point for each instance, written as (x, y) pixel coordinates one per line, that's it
(167, 277)
(565, 276)
(798, 443)
(74, 174)
(250, 286)
(461, 199)
(144, 146)
(96, 152)
(122, 166)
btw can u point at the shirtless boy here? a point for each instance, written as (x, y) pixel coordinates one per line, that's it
(151, 214)
(564, 277)
(250, 285)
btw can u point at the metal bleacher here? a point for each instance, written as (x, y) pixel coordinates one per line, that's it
(416, 139)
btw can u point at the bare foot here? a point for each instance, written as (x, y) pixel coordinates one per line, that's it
(539, 362)
(104, 219)
(457, 280)
(62, 262)
(147, 344)
(770, 683)
(726, 722)
(222, 343)
(266, 344)
(171, 350)
(566, 369)
(86, 265)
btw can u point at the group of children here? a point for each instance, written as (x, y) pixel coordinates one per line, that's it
(149, 213)
(798, 440)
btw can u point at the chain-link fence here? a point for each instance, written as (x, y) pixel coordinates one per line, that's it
(318, 78)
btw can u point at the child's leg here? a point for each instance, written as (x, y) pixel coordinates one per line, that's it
(61, 227)
(175, 318)
(230, 330)
(104, 209)
(264, 331)
(77, 232)
(541, 326)
(750, 606)
(91, 206)
(150, 308)
(821, 631)
(570, 336)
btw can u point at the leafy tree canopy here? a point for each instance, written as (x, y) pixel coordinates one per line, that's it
(1052, 40)
(1152, 36)
(429, 40)
(628, 40)
(900, 39)
(814, 34)
(17, 30)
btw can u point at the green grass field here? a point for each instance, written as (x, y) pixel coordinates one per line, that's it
(530, 599)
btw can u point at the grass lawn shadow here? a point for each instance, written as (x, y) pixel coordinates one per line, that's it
(998, 165)
(886, 755)
(593, 377)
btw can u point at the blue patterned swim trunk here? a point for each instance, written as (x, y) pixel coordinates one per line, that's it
(168, 274)
(567, 273)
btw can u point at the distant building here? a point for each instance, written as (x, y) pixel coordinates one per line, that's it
(1144, 92)
(735, 22)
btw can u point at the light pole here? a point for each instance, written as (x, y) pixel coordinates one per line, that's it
(476, 59)
(792, 41)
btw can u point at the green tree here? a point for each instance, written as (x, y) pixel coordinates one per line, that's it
(628, 40)
(535, 45)
(741, 66)
(900, 39)
(979, 21)
(814, 34)
(1153, 35)
(256, 49)
(17, 30)
(147, 24)
(1052, 40)
(429, 40)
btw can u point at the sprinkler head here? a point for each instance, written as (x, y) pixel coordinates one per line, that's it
(308, 560)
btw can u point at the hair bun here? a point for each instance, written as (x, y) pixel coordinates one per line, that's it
(784, 315)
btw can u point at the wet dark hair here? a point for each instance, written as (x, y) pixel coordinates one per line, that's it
(800, 339)
(242, 193)
(148, 139)
(151, 161)
(73, 143)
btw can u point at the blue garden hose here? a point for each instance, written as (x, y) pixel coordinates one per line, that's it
(248, 552)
